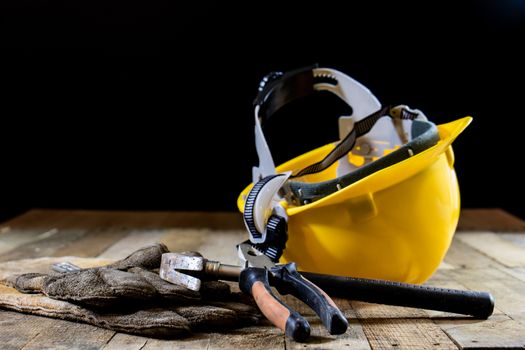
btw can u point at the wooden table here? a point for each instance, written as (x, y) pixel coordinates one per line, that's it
(488, 253)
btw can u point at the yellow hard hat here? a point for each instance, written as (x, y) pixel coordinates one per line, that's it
(382, 202)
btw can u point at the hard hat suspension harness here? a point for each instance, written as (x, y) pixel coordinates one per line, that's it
(264, 216)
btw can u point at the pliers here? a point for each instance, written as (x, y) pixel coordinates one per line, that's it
(260, 274)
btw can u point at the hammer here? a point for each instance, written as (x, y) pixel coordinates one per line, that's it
(186, 271)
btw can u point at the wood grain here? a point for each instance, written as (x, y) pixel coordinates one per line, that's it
(207, 220)
(121, 341)
(479, 259)
(401, 333)
(216, 245)
(196, 342)
(461, 255)
(354, 337)
(517, 272)
(16, 330)
(65, 229)
(496, 247)
(131, 242)
(70, 335)
(516, 238)
(92, 243)
(27, 228)
(56, 239)
(508, 291)
(34, 218)
(394, 327)
(264, 337)
(368, 310)
(500, 332)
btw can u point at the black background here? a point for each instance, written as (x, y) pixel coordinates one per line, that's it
(147, 104)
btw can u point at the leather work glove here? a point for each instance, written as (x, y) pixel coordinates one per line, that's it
(128, 296)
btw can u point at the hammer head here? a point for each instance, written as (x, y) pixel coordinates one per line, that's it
(174, 265)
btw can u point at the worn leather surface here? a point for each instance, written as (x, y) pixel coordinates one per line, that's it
(126, 296)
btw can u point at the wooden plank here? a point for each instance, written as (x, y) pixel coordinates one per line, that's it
(400, 333)
(394, 327)
(27, 228)
(471, 219)
(141, 219)
(516, 272)
(93, 243)
(133, 220)
(219, 245)
(257, 338)
(113, 227)
(156, 220)
(69, 335)
(494, 219)
(16, 330)
(43, 247)
(32, 218)
(131, 242)
(466, 265)
(166, 219)
(499, 249)
(509, 295)
(467, 274)
(213, 244)
(183, 240)
(206, 220)
(445, 266)
(516, 238)
(196, 342)
(439, 276)
(354, 338)
(66, 229)
(508, 291)
(462, 255)
(368, 310)
(499, 332)
(43, 265)
(121, 341)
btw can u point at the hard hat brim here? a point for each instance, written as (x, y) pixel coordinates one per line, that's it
(376, 181)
